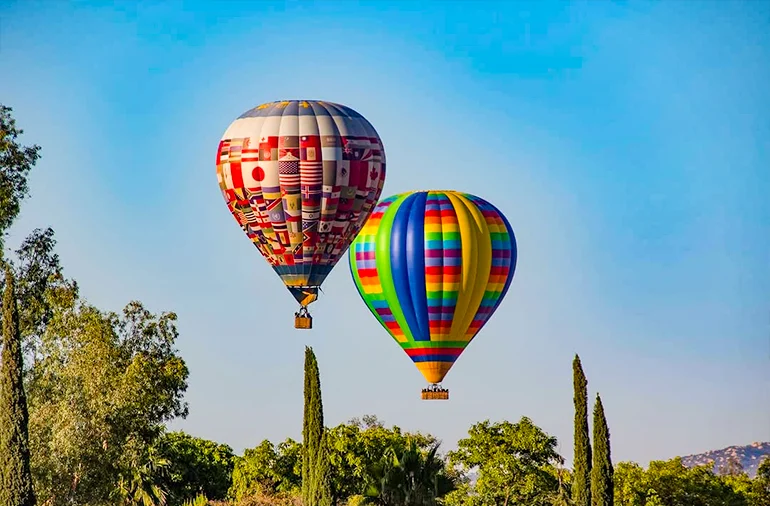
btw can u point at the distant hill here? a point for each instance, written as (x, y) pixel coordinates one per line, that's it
(748, 456)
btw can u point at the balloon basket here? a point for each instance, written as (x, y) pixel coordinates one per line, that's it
(303, 322)
(302, 319)
(435, 393)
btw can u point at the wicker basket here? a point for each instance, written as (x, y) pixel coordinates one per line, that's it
(434, 394)
(303, 322)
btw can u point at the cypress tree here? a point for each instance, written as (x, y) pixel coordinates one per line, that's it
(312, 430)
(322, 486)
(602, 486)
(581, 481)
(15, 475)
(305, 422)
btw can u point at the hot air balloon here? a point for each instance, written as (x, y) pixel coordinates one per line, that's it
(301, 177)
(433, 266)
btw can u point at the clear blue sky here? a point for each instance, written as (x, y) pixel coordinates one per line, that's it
(628, 144)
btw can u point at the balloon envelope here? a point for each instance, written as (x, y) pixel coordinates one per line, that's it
(301, 177)
(433, 267)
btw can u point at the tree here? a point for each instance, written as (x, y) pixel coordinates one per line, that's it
(99, 394)
(411, 477)
(16, 161)
(139, 483)
(515, 461)
(562, 496)
(15, 475)
(355, 448)
(38, 275)
(196, 466)
(274, 471)
(670, 483)
(581, 479)
(760, 486)
(322, 479)
(312, 432)
(268, 470)
(602, 485)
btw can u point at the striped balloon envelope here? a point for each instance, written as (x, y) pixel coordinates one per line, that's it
(433, 266)
(301, 177)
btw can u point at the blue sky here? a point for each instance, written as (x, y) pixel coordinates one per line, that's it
(628, 143)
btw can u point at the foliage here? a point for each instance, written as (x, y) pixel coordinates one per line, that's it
(268, 470)
(760, 486)
(40, 277)
(99, 393)
(139, 483)
(322, 492)
(515, 461)
(355, 448)
(312, 428)
(260, 499)
(670, 483)
(15, 476)
(412, 477)
(581, 480)
(601, 471)
(196, 467)
(16, 161)
(198, 500)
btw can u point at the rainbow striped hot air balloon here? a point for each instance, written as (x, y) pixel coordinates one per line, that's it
(433, 266)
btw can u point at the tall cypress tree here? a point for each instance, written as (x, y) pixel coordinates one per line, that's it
(312, 430)
(305, 431)
(322, 488)
(602, 480)
(581, 481)
(15, 475)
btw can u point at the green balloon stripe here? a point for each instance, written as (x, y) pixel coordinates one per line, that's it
(382, 258)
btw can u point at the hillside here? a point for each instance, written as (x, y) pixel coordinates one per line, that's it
(749, 457)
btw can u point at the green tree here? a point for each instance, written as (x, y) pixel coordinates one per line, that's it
(38, 275)
(760, 486)
(16, 161)
(355, 448)
(196, 466)
(15, 475)
(138, 484)
(322, 479)
(670, 483)
(516, 462)
(581, 479)
(99, 394)
(312, 425)
(268, 470)
(562, 495)
(412, 477)
(602, 485)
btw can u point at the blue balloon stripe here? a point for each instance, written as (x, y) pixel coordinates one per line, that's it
(434, 358)
(399, 266)
(415, 255)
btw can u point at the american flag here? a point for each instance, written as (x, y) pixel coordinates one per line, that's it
(288, 167)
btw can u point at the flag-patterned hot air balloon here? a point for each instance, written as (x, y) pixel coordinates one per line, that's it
(301, 177)
(433, 266)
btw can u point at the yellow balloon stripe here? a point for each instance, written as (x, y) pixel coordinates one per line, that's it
(467, 280)
(482, 268)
